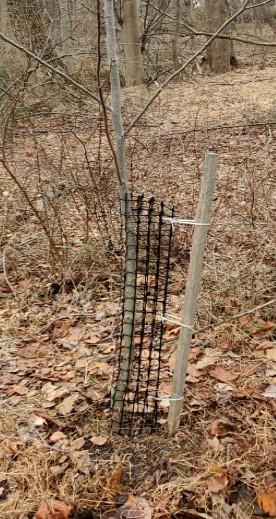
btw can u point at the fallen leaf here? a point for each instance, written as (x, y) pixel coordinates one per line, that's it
(266, 500)
(77, 444)
(263, 327)
(193, 373)
(28, 351)
(66, 406)
(56, 393)
(216, 428)
(209, 357)
(75, 334)
(270, 391)
(99, 440)
(271, 354)
(57, 436)
(36, 421)
(82, 462)
(51, 509)
(116, 479)
(18, 390)
(218, 482)
(136, 507)
(223, 375)
(223, 392)
(58, 470)
(99, 368)
(61, 328)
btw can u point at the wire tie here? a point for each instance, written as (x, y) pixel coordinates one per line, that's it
(175, 320)
(171, 398)
(181, 221)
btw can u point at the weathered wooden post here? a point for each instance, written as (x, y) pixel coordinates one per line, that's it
(192, 289)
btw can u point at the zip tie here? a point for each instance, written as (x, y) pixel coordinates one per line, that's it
(181, 221)
(175, 320)
(171, 398)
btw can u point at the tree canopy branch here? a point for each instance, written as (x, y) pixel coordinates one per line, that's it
(67, 78)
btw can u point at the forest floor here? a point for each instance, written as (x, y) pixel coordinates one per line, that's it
(59, 321)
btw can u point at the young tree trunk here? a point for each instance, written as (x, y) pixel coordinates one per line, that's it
(126, 208)
(134, 70)
(219, 52)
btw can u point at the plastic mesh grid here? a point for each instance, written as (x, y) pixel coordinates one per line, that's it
(151, 252)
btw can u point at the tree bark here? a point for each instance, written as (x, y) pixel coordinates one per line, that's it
(176, 33)
(219, 52)
(134, 70)
(126, 208)
(269, 17)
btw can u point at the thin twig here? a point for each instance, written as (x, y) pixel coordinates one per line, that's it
(53, 69)
(237, 316)
(258, 5)
(5, 272)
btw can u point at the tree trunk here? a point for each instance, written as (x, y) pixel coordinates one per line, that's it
(134, 70)
(126, 208)
(269, 18)
(176, 31)
(219, 52)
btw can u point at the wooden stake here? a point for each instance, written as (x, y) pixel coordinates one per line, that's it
(192, 289)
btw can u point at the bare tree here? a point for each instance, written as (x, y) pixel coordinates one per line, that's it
(178, 10)
(219, 52)
(134, 70)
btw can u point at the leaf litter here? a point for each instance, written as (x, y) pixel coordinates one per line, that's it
(59, 362)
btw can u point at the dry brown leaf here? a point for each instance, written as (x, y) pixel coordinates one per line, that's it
(216, 428)
(193, 373)
(51, 509)
(61, 328)
(136, 507)
(266, 500)
(223, 392)
(99, 440)
(56, 393)
(271, 354)
(116, 479)
(270, 391)
(99, 368)
(77, 444)
(264, 326)
(82, 461)
(223, 375)
(66, 406)
(218, 482)
(57, 436)
(18, 390)
(28, 351)
(209, 357)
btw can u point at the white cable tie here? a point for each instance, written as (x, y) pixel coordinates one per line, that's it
(171, 398)
(176, 320)
(183, 221)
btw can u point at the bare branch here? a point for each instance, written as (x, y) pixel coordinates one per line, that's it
(258, 5)
(53, 69)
